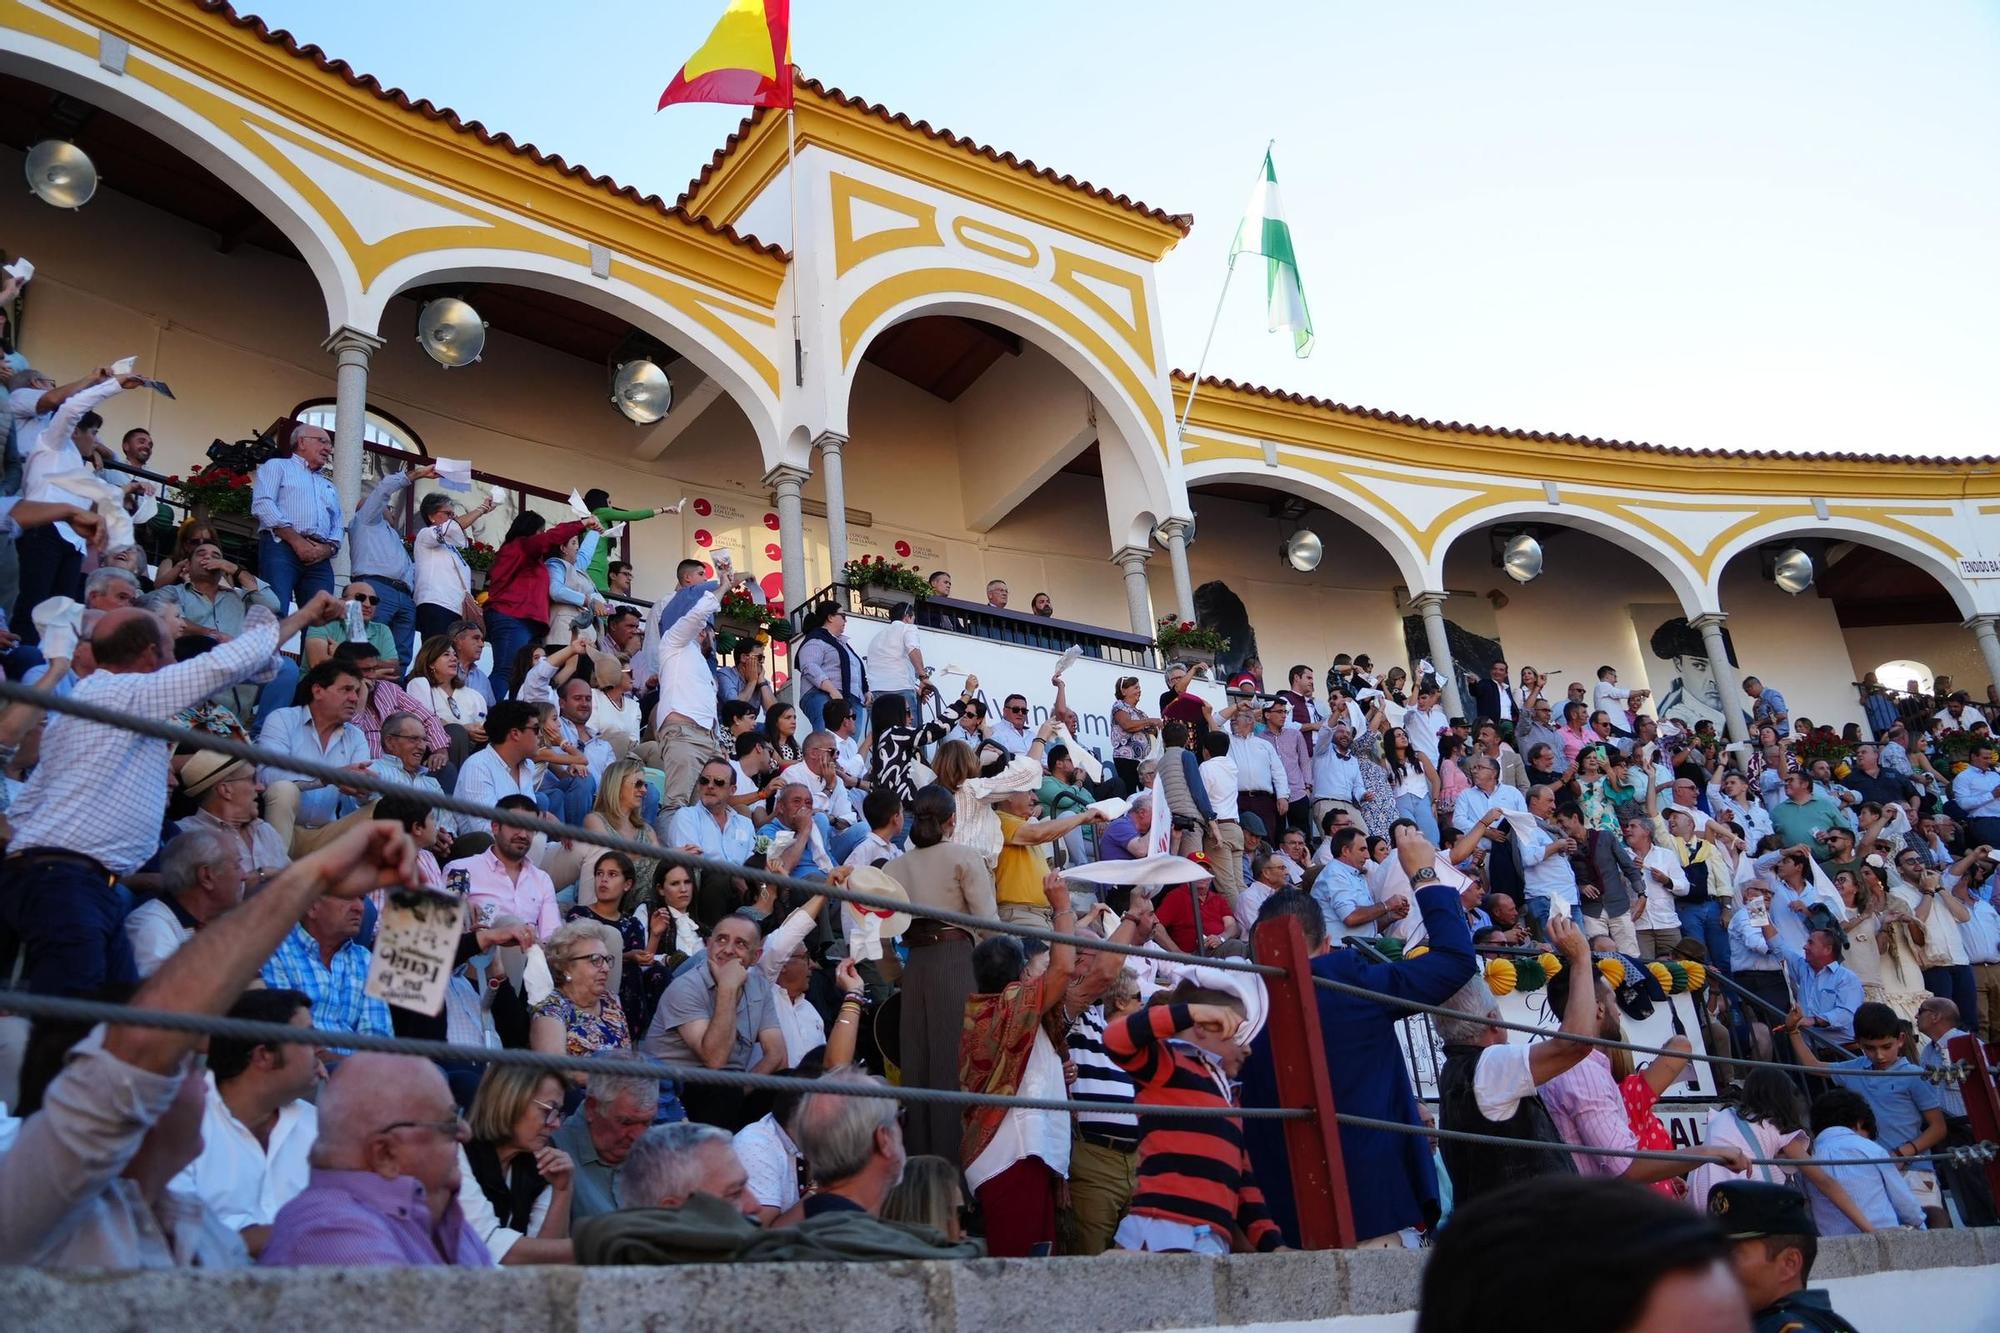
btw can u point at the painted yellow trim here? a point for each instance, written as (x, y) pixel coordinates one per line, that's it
(1028, 256)
(849, 249)
(1137, 331)
(914, 155)
(1241, 412)
(705, 310)
(746, 170)
(872, 304)
(299, 91)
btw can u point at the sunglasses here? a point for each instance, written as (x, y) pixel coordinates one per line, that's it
(714, 782)
(367, 597)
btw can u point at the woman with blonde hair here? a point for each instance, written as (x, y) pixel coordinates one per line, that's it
(619, 812)
(959, 770)
(193, 532)
(581, 1016)
(930, 1194)
(516, 1188)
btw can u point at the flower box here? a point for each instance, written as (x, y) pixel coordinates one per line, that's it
(883, 597)
(737, 627)
(1193, 656)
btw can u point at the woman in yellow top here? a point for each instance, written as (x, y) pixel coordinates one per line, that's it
(1023, 865)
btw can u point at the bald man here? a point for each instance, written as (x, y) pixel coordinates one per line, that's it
(385, 1177)
(90, 814)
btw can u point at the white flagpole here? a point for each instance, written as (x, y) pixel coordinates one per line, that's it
(1216, 319)
(792, 181)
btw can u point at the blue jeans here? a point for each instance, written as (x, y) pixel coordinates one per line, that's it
(396, 611)
(840, 844)
(507, 636)
(276, 693)
(69, 920)
(1703, 921)
(567, 798)
(1961, 987)
(813, 704)
(279, 566)
(1419, 811)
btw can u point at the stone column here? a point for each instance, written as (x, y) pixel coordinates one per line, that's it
(351, 349)
(1728, 684)
(786, 480)
(1430, 605)
(830, 445)
(1174, 532)
(1132, 559)
(1987, 630)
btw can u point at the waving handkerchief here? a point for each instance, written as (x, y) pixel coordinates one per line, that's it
(454, 474)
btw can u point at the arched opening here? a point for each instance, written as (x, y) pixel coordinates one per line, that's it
(1598, 602)
(1871, 605)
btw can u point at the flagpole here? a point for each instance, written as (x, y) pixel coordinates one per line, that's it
(792, 181)
(1216, 319)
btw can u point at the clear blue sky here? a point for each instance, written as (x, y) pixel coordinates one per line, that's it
(1707, 223)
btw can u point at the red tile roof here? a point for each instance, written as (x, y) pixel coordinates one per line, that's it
(1545, 437)
(1181, 222)
(292, 46)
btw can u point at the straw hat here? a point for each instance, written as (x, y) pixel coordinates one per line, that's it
(872, 880)
(208, 769)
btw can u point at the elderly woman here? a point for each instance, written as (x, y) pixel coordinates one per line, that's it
(1132, 732)
(515, 1188)
(581, 1016)
(829, 665)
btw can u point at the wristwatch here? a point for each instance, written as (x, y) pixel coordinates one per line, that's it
(1424, 876)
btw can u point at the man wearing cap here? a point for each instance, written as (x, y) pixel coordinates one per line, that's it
(1776, 1242)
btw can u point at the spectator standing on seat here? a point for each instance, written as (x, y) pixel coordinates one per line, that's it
(379, 558)
(93, 807)
(517, 589)
(300, 524)
(443, 579)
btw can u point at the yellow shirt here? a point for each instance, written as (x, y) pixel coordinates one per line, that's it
(1018, 877)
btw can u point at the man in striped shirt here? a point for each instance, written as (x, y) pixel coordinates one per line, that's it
(1103, 1158)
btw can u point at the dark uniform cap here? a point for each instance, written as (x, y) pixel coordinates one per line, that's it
(1745, 1209)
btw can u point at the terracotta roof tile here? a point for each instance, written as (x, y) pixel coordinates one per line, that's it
(1546, 437)
(306, 51)
(1181, 222)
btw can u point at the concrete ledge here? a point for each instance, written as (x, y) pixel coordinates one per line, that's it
(1113, 1293)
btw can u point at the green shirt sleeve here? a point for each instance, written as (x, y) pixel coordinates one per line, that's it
(609, 516)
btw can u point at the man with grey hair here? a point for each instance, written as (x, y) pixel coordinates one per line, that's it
(617, 1110)
(300, 524)
(202, 878)
(852, 1144)
(1483, 807)
(110, 587)
(1488, 1083)
(226, 789)
(670, 1164)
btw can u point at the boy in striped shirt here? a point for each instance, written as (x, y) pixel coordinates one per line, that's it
(1195, 1190)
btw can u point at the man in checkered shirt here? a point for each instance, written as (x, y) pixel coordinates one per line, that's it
(92, 810)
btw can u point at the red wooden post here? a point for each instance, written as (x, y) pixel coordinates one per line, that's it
(1298, 1053)
(1982, 1101)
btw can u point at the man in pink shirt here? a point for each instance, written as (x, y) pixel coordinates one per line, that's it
(1575, 730)
(505, 883)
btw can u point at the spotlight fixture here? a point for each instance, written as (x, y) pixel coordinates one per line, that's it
(1303, 550)
(1792, 570)
(642, 391)
(451, 331)
(61, 174)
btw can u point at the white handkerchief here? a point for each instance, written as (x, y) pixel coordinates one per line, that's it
(499, 497)
(864, 936)
(58, 621)
(536, 981)
(124, 365)
(1068, 659)
(107, 501)
(454, 474)
(577, 506)
(144, 506)
(21, 269)
(675, 507)
(1114, 807)
(613, 531)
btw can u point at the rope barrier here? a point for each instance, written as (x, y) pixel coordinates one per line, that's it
(540, 823)
(240, 1029)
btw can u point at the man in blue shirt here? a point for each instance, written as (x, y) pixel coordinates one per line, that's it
(711, 827)
(1828, 992)
(303, 810)
(379, 557)
(1342, 891)
(1909, 1120)
(299, 521)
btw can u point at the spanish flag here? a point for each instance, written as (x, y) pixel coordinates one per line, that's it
(747, 60)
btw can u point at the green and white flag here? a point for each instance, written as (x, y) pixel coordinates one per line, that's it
(1263, 232)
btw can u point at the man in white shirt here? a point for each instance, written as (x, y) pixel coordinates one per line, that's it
(1222, 842)
(819, 773)
(1977, 791)
(882, 810)
(1549, 881)
(684, 719)
(894, 662)
(1010, 725)
(258, 1122)
(1620, 703)
(201, 878)
(1260, 773)
(504, 768)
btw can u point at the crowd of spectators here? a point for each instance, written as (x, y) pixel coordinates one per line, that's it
(1842, 909)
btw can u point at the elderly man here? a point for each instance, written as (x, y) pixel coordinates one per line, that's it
(818, 771)
(996, 594)
(1938, 1023)
(300, 524)
(617, 1110)
(711, 827)
(383, 562)
(385, 1176)
(407, 752)
(504, 882)
(317, 646)
(320, 958)
(1489, 1084)
(258, 1121)
(853, 1146)
(200, 879)
(1548, 880)
(92, 809)
(382, 697)
(670, 1164)
(302, 809)
(1485, 806)
(227, 789)
(721, 1014)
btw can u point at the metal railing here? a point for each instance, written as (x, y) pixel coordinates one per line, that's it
(1019, 629)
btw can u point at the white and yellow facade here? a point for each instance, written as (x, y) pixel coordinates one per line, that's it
(1058, 467)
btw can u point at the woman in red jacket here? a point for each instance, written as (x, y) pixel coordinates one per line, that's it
(517, 590)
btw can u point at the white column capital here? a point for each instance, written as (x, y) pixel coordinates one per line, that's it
(348, 343)
(1172, 529)
(1131, 557)
(786, 477)
(1422, 602)
(1708, 620)
(829, 441)
(1983, 625)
